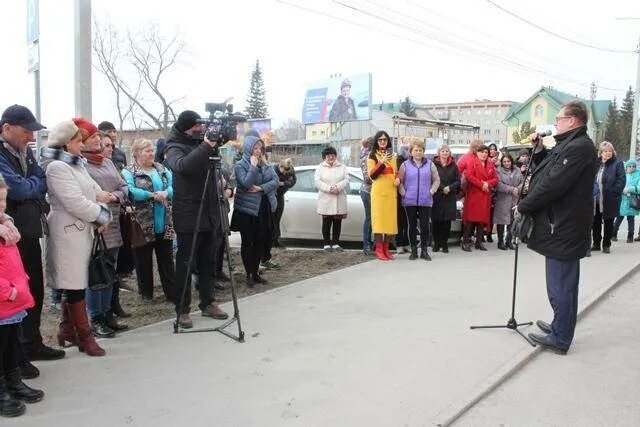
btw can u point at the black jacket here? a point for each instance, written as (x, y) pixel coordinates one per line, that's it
(444, 205)
(188, 159)
(26, 196)
(560, 197)
(289, 180)
(119, 158)
(613, 182)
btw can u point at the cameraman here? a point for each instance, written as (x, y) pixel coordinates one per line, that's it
(560, 201)
(187, 155)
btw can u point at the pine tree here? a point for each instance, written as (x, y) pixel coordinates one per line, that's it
(626, 118)
(524, 131)
(407, 107)
(256, 101)
(612, 129)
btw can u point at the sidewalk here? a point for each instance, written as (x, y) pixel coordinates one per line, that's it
(377, 344)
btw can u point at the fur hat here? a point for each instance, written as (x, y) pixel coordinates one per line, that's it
(523, 152)
(61, 134)
(86, 127)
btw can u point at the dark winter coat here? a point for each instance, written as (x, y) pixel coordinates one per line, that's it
(118, 158)
(289, 180)
(444, 205)
(504, 198)
(188, 159)
(613, 181)
(560, 197)
(25, 198)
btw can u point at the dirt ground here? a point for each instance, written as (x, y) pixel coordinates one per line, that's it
(296, 265)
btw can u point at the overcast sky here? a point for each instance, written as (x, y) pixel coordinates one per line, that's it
(432, 51)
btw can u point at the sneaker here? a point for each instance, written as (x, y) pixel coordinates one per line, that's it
(327, 248)
(337, 248)
(184, 321)
(212, 310)
(270, 265)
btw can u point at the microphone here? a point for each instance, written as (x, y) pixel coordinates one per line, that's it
(542, 134)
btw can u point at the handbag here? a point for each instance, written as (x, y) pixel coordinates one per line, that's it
(102, 266)
(132, 233)
(634, 202)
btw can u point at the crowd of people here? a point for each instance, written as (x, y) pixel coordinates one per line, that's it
(82, 187)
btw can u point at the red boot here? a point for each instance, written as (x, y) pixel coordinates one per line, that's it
(66, 331)
(386, 251)
(379, 251)
(86, 342)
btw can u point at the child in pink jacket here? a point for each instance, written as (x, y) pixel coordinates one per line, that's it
(15, 298)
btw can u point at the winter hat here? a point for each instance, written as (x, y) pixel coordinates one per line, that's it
(105, 126)
(87, 129)
(61, 134)
(630, 162)
(523, 152)
(186, 120)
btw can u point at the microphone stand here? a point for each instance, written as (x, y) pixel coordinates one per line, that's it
(512, 323)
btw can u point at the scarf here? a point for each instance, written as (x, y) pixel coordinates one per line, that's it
(95, 157)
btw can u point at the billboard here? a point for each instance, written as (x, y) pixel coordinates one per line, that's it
(340, 99)
(263, 126)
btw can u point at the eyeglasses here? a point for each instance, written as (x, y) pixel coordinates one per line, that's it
(383, 139)
(558, 118)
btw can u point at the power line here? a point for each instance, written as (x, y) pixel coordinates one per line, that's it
(604, 49)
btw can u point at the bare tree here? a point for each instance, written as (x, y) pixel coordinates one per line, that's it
(135, 66)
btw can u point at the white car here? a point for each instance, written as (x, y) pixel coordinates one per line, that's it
(301, 221)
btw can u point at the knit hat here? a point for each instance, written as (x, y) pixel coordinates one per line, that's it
(523, 152)
(61, 134)
(186, 120)
(86, 127)
(105, 126)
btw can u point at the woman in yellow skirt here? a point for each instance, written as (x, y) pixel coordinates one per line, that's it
(383, 170)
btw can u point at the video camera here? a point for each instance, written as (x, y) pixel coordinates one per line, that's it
(221, 126)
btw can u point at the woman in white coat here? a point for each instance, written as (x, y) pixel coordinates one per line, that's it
(332, 181)
(75, 214)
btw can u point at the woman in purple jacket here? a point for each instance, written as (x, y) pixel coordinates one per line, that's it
(419, 180)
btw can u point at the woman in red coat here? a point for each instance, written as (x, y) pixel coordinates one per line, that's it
(481, 178)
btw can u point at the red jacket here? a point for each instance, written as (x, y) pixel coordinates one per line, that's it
(12, 275)
(477, 203)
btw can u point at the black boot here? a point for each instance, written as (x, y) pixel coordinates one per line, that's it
(479, 236)
(19, 390)
(116, 308)
(112, 323)
(466, 238)
(614, 236)
(414, 252)
(424, 254)
(9, 406)
(501, 244)
(629, 237)
(445, 247)
(99, 328)
(509, 240)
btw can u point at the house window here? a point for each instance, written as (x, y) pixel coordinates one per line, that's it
(487, 131)
(539, 111)
(497, 131)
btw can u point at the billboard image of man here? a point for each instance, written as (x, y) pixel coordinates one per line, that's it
(343, 109)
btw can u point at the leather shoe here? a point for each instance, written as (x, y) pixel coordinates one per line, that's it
(546, 342)
(28, 371)
(184, 321)
(112, 323)
(606, 250)
(544, 326)
(46, 353)
(212, 310)
(19, 390)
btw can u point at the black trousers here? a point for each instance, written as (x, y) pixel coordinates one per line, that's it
(331, 229)
(415, 213)
(143, 256)
(204, 261)
(8, 347)
(277, 216)
(441, 230)
(598, 221)
(220, 251)
(402, 238)
(31, 255)
(252, 246)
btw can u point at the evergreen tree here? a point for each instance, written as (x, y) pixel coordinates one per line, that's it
(626, 119)
(525, 131)
(612, 130)
(407, 107)
(256, 101)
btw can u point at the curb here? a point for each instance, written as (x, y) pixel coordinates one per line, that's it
(451, 414)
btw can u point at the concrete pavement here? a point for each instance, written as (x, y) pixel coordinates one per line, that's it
(376, 344)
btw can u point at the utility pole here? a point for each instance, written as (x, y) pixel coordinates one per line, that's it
(636, 106)
(82, 57)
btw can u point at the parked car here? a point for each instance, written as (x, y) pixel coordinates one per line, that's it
(301, 221)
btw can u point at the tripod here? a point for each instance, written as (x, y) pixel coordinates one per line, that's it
(213, 169)
(512, 322)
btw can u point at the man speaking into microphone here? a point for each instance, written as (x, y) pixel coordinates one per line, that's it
(560, 201)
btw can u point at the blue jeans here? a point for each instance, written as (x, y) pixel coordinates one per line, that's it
(99, 302)
(562, 288)
(366, 227)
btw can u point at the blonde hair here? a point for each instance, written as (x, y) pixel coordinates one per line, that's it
(606, 145)
(286, 163)
(138, 145)
(476, 144)
(416, 143)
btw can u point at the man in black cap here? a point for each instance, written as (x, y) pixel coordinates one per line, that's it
(187, 155)
(26, 205)
(118, 157)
